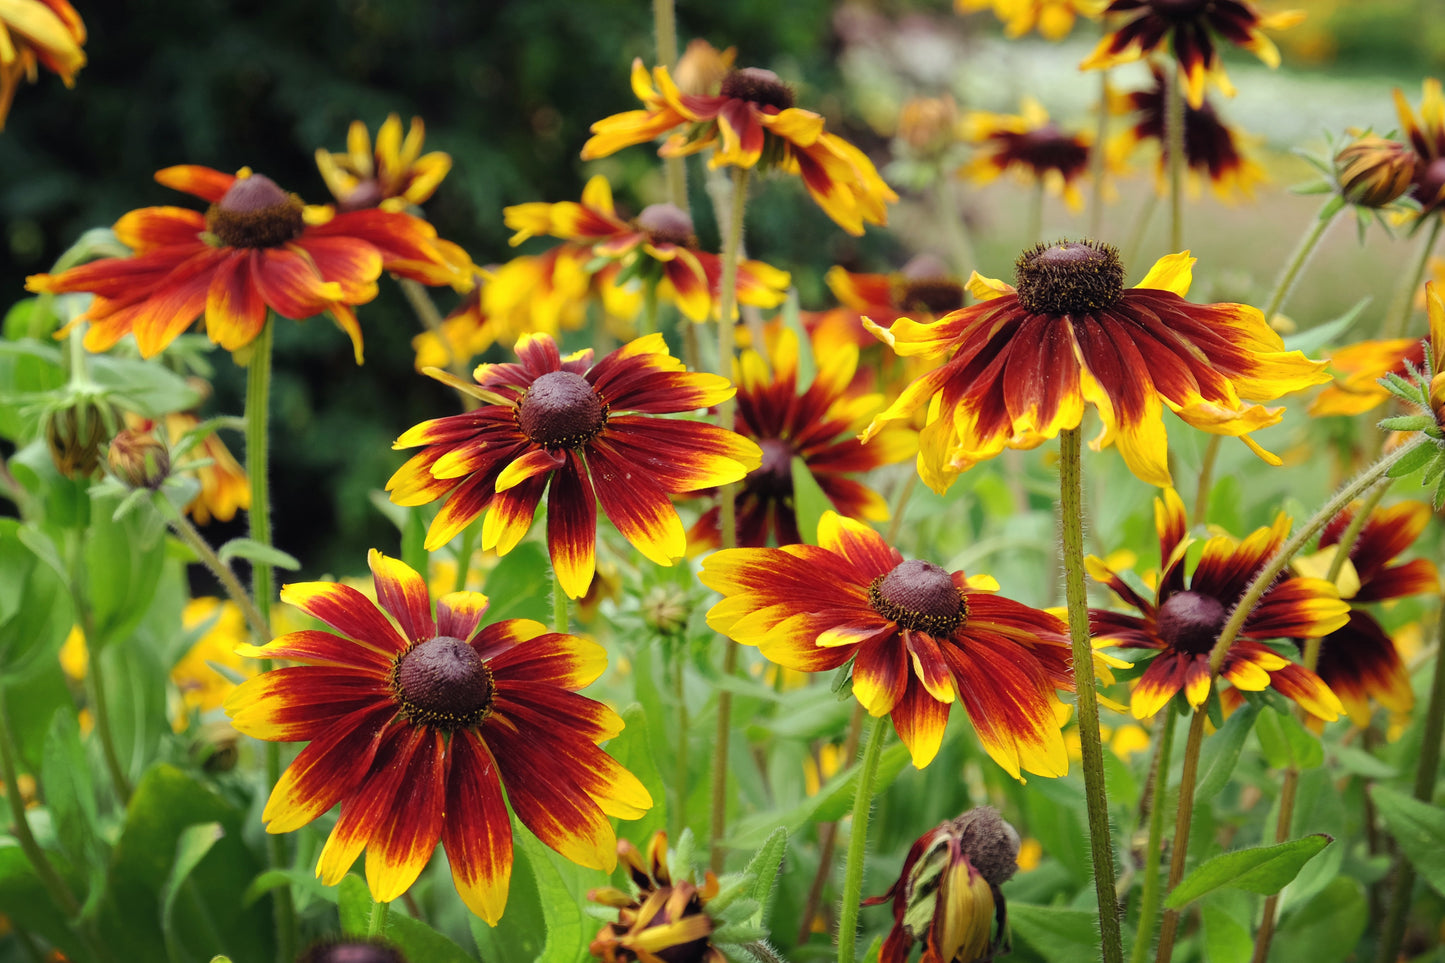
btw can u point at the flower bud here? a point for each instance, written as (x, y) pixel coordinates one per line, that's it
(665, 609)
(76, 431)
(927, 124)
(139, 459)
(1373, 171)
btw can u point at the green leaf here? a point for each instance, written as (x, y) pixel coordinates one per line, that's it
(1227, 916)
(35, 608)
(1261, 869)
(122, 570)
(1413, 460)
(1286, 742)
(633, 750)
(256, 552)
(23, 897)
(1361, 763)
(567, 935)
(520, 586)
(1221, 753)
(416, 940)
(764, 869)
(195, 842)
(1406, 423)
(1056, 933)
(1419, 828)
(809, 501)
(143, 386)
(1330, 332)
(70, 796)
(1328, 928)
(522, 931)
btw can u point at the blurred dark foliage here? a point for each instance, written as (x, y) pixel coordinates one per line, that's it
(507, 88)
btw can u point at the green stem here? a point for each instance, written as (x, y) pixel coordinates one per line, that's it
(858, 845)
(1149, 901)
(258, 410)
(95, 682)
(905, 492)
(1071, 512)
(664, 21)
(1206, 480)
(1096, 160)
(1185, 815)
(1140, 227)
(60, 894)
(1425, 775)
(955, 227)
(464, 557)
(1302, 253)
(676, 650)
(727, 501)
(1404, 299)
(208, 557)
(376, 925)
(1174, 155)
(649, 308)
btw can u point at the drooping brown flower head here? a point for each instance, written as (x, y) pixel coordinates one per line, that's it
(139, 459)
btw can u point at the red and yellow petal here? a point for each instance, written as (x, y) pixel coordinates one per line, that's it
(403, 593)
(327, 770)
(641, 511)
(302, 702)
(235, 310)
(289, 283)
(509, 516)
(460, 613)
(1011, 706)
(155, 227)
(204, 182)
(347, 611)
(880, 676)
(402, 845)
(477, 833)
(572, 528)
(314, 647)
(920, 721)
(563, 661)
(1168, 674)
(370, 809)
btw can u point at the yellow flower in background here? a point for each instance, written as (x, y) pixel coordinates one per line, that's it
(1054, 19)
(203, 688)
(1029, 146)
(74, 655)
(34, 34)
(390, 176)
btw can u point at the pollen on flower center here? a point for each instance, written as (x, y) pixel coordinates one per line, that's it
(1069, 277)
(1190, 621)
(443, 683)
(255, 212)
(774, 477)
(919, 596)
(759, 87)
(667, 224)
(561, 410)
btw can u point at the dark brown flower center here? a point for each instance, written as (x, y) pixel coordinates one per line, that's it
(1179, 9)
(919, 596)
(255, 213)
(1069, 277)
(443, 683)
(926, 286)
(1430, 184)
(667, 224)
(774, 477)
(562, 410)
(1190, 622)
(757, 86)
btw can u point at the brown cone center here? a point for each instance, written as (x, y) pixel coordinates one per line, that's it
(443, 683)
(1179, 9)
(667, 224)
(255, 212)
(774, 477)
(1069, 277)
(1190, 621)
(1430, 183)
(757, 86)
(562, 410)
(919, 596)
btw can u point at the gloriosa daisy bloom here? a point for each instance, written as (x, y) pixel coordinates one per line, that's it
(1026, 360)
(416, 722)
(751, 123)
(1189, 28)
(256, 249)
(1029, 146)
(1053, 18)
(667, 919)
(1427, 137)
(592, 431)
(37, 33)
(1184, 620)
(392, 176)
(920, 638)
(1358, 369)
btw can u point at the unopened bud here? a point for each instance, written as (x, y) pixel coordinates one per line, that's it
(1373, 171)
(139, 459)
(665, 609)
(76, 432)
(927, 124)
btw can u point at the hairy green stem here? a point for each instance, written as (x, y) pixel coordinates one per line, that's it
(955, 227)
(59, 893)
(1149, 900)
(1096, 160)
(197, 543)
(1404, 299)
(1185, 815)
(1206, 480)
(858, 844)
(1035, 222)
(95, 682)
(426, 311)
(727, 501)
(376, 924)
(1425, 775)
(664, 22)
(1307, 245)
(1071, 533)
(1174, 156)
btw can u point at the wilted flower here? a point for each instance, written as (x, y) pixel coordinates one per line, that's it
(702, 68)
(948, 896)
(927, 124)
(76, 427)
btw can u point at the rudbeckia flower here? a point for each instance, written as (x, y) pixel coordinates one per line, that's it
(416, 722)
(592, 431)
(923, 289)
(1359, 661)
(1211, 148)
(1029, 146)
(820, 425)
(1184, 620)
(1053, 18)
(1189, 30)
(1025, 361)
(253, 251)
(751, 123)
(550, 292)
(203, 689)
(1358, 369)
(391, 176)
(658, 245)
(667, 919)
(1427, 137)
(37, 33)
(920, 639)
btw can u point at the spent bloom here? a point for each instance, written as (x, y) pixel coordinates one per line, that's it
(750, 123)
(1183, 622)
(256, 249)
(920, 638)
(392, 175)
(34, 34)
(588, 432)
(1191, 30)
(417, 720)
(947, 897)
(1022, 364)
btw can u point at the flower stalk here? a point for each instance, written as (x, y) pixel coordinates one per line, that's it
(858, 844)
(1149, 900)
(1174, 149)
(1071, 510)
(1404, 299)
